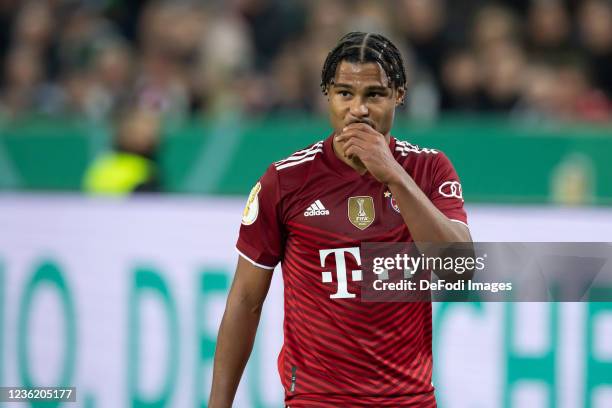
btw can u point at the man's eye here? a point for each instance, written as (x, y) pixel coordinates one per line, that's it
(344, 93)
(376, 95)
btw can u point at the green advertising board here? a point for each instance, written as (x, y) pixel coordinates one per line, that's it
(498, 160)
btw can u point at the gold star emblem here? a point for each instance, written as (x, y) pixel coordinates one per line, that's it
(387, 194)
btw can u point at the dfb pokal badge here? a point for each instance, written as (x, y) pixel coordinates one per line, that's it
(361, 211)
(251, 210)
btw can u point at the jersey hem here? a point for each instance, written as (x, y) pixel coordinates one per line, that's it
(271, 268)
(423, 400)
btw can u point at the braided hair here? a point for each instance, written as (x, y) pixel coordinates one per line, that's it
(361, 48)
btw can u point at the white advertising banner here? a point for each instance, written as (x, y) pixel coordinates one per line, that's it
(122, 299)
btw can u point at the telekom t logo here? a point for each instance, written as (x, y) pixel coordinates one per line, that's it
(342, 292)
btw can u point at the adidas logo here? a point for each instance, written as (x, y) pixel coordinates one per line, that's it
(316, 208)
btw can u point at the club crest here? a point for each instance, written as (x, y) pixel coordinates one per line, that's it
(361, 211)
(392, 201)
(394, 204)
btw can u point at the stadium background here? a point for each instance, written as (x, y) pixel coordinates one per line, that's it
(121, 294)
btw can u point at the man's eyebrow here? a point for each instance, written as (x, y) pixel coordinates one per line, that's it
(377, 88)
(369, 88)
(341, 85)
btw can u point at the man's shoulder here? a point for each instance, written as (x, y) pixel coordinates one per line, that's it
(423, 160)
(405, 149)
(299, 158)
(291, 173)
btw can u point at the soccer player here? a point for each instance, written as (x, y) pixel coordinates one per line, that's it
(311, 211)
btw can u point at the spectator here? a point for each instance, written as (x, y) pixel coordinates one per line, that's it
(595, 25)
(422, 22)
(226, 55)
(460, 82)
(494, 24)
(269, 21)
(548, 29)
(24, 88)
(538, 104)
(562, 92)
(578, 100)
(34, 28)
(502, 65)
(189, 58)
(131, 166)
(289, 87)
(112, 73)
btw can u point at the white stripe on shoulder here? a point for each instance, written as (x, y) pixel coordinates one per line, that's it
(404, 148)
(300, 154)
(317, 144)
(299, 157)
(295, 163)
(253, 262)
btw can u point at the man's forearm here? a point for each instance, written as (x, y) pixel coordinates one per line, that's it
(425, 222)
(234, 345)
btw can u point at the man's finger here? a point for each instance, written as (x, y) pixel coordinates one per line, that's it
(346, 136)
(360, 125)
(355, 141)
(354, 150)
(353, 133)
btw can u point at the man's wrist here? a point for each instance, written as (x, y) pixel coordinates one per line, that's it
(398, 177)
(220, 403)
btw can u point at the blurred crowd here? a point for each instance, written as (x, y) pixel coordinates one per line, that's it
(538, 60)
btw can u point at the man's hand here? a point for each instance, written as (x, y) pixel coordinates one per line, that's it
(372, 149)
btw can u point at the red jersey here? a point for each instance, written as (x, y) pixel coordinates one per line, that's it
(311, 212)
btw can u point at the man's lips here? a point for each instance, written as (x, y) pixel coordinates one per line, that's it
(367, 122)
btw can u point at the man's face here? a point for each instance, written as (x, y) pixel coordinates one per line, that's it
(361, 93)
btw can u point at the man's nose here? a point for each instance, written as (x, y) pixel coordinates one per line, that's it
(359, 108)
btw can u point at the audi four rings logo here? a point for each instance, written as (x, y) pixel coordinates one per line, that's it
(451, 189)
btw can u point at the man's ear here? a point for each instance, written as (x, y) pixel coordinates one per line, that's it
(400, 96)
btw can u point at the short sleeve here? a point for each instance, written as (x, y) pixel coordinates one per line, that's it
(446, 192)
(260, 240)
